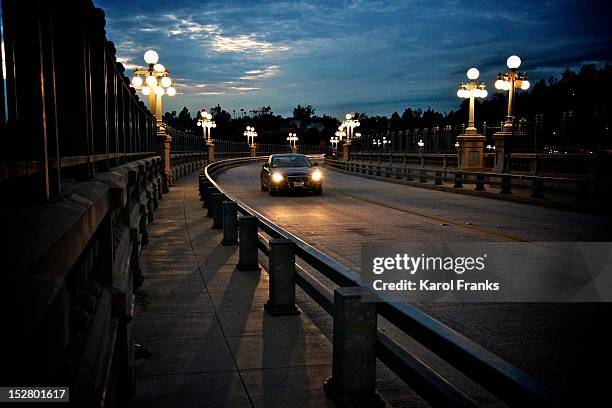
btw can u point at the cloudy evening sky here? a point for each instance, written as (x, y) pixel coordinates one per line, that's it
(367, 56)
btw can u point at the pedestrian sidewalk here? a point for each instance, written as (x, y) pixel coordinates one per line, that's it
(202, 336)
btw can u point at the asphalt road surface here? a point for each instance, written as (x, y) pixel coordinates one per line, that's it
(559, 343)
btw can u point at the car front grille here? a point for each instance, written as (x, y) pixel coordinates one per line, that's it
(297, 178)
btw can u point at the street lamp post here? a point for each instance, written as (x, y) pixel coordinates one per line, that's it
(251, 134)
(349, 124)
(508, 81)
(470, 144)
(155, 82)
(207, 124)
(292, 138)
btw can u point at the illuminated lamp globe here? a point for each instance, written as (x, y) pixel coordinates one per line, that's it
(151, 81)
(203, 114)
(151, 57)
(460, 93)
(159, 68)
(483, 93)
(171, 91)
(146, 91)
(473, 73)
(525, 85)
(214, 125)
(199, 123)
(159, 91)
(513, 62)
(348, 116)
(137, 81)
(506, 86)
(166, 82)
(499, 84)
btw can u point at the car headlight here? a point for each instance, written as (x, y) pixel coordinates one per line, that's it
(277, 177)
(316, 175)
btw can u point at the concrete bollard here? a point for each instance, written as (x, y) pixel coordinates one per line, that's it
(247, 252)
(353, 381)
(506, 184)
(281, 298)
(423, 178)
(458, 180)
(201, 186)
(480, 182)
(230, 223)
(208, 199)
(537, 188)
(217, 200)
(205, 194)
(438, 180)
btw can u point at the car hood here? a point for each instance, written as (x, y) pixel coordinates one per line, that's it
(293, 171)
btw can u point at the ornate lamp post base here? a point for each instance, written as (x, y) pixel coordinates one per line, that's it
(502, 146)
(253, 149)
(164, 142)
(471, 151)
(294, 149)
(345, 151)
(211, 151)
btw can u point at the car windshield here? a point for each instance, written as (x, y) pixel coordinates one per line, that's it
(290, 161)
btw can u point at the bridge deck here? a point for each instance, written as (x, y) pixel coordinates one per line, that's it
(556, 342)
(204, 337)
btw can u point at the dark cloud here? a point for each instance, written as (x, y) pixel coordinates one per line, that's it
(375, 55)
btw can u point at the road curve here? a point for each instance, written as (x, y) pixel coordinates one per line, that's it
(552, 341)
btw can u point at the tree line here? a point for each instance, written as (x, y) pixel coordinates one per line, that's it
(584, 93)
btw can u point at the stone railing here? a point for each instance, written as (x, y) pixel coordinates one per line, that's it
(553, 165)
(72, 266)
(583, 193)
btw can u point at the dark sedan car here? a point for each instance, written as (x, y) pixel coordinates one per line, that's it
(291, 172)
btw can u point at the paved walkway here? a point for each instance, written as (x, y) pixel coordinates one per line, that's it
(203, 338)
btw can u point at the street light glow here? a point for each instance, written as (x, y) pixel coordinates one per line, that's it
(473, 73)
(151, 81)
(151, 57)
(513, 62)
(166, 82)
(137, 81)
(171, 91)
(159, 91)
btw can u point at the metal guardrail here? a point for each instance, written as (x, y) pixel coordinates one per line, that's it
(494, 374)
